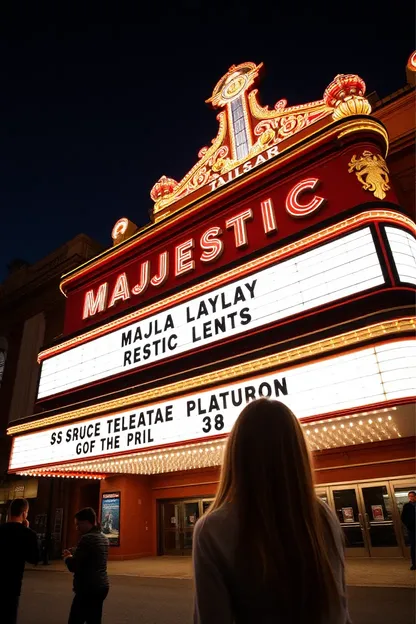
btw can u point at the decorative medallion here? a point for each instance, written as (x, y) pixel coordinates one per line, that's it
(372, 172)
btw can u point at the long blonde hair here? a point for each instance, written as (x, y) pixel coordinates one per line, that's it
(283, 529)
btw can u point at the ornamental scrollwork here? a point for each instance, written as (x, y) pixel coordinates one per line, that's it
(372, 172)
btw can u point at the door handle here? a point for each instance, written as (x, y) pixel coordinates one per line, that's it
(360, 520)
(367, 521)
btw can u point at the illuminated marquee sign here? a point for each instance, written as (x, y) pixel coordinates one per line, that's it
(349, 381)
(211, 248)
(329, 272)
(164, 259)
(403, 249)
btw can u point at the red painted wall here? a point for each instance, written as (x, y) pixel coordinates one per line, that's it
(137, 529)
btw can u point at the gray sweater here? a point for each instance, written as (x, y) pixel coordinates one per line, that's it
(213, 553)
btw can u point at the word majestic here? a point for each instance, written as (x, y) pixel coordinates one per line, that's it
(207, 248)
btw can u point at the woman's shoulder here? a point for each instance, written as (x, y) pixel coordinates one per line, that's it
(216, 522)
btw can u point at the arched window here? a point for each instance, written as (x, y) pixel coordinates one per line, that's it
(3, 355)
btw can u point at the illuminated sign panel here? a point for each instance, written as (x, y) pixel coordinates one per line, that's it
(403, 248)
(165, 259)
(353, 380)
(329, 272)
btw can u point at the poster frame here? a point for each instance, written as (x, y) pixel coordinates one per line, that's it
(116, 494)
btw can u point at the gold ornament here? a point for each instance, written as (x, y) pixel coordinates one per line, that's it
(372, 171)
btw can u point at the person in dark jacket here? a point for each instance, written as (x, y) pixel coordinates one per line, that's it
(88, 564)
(409, 521)
(18, 544)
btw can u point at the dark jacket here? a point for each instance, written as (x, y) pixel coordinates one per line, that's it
(409, 516)
(89, 562)
(18, 544)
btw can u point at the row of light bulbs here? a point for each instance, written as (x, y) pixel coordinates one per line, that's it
(329, 433)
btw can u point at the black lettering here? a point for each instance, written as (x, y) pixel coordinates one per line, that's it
(142, 420)
(250, 393)
(190, 406)
(136, 355)
(232, 316)
(224, 396)
(171, 344)
(245, 316)
(127, 358)
(189, 318)
(132, 422)
(220, 325)
(130, 437)
(156, 346)
(53, 439)
(213, 404)
(138, 334)
(68, 436)
(280, 387)
(75, 434)
(117, 425)
(125, 339)
(251, 287)
(265, 387)
(59, 440)
(168, 413)
(195, 338)
(169, 322)
(203, 310)
(207, 424)
(97, 429)
(237, 402)
(150, 414)
(239, 295)
(219, 422)
(159, 416)
(146, 352)
(206, 329)
(138, 438)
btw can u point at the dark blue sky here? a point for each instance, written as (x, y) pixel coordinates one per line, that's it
(92, 115)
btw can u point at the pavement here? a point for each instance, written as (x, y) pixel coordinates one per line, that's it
(359, 572)
(46, 599)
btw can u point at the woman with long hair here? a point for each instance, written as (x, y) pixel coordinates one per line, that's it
(268, 549)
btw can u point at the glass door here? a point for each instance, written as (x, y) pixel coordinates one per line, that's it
(379, 525)
(178, 522)
(346, 502)
(171, 529)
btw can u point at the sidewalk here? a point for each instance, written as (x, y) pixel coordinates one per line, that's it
(359, 572)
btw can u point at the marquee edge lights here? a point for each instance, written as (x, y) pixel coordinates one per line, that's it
(351, 430)
(320, 347)
(227, 276)
(349, 127)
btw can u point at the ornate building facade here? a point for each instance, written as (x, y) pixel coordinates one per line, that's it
(283, 265)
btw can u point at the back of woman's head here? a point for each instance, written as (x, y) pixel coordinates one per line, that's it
(267, 477)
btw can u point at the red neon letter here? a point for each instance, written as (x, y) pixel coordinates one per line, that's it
(121, 290)
(144, 279)
(92, 304)
(213, 247)
(183, 257)
(293, 206)
(269, 218)
(162, 275)
(238, 223)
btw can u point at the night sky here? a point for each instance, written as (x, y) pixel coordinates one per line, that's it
(92, 114)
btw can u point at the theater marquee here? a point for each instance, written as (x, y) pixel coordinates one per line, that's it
(352, 380)
(327, 273)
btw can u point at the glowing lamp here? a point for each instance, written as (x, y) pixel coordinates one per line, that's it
(163, 187)
(345, 95)
(411, 69)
